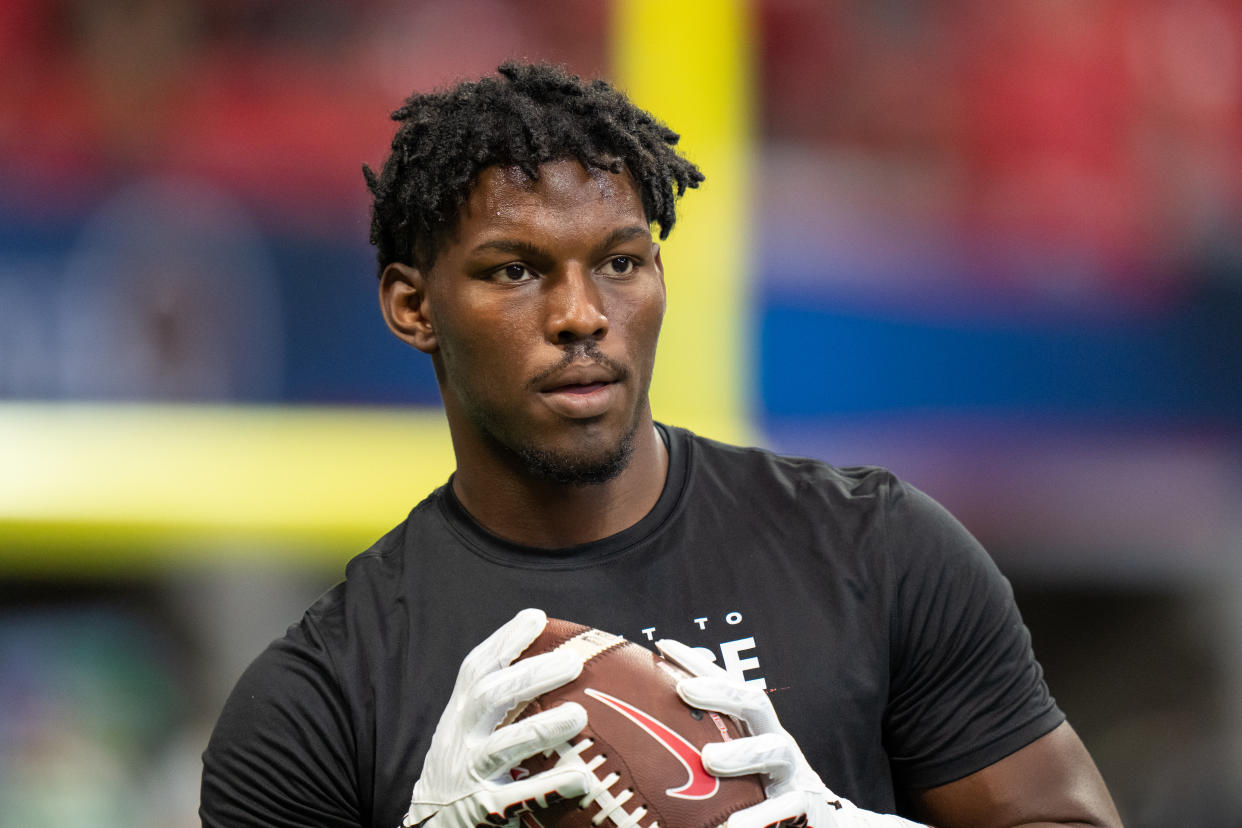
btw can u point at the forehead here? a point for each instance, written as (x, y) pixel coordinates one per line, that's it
(565, 195)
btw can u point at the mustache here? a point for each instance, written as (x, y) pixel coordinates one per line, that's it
(579, 352)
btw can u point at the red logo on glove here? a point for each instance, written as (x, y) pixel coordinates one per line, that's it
(700, 784)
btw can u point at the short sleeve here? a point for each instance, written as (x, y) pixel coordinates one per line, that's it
(966, 690)
(281, 751)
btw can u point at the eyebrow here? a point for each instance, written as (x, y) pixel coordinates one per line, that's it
(624, 234)
(516, 247)
(520, 247)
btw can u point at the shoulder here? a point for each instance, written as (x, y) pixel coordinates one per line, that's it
(860, 509)
(375, 578)
(784, 475)
(341, 616)
(863, 513)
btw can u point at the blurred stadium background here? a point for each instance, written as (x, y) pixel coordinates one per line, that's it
(996, 247)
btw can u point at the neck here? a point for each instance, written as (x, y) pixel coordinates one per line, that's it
(536, 512)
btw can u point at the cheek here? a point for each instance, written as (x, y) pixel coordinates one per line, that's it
(641, 320)
(637, 322)
(485, 352)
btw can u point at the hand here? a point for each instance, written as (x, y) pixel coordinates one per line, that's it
(465, 781)
(796, 796)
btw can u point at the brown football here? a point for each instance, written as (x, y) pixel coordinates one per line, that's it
(641, 741)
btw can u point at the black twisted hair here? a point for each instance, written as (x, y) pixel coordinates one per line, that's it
(529, 115)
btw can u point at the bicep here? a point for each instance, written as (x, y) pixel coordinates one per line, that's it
(1051, 781)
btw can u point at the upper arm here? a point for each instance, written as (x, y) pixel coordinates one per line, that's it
(1050, 781)
(966, 690)
(972, 730)
(281, 753)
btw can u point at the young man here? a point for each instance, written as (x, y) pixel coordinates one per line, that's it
(863, 634)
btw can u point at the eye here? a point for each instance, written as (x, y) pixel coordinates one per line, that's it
(619, 266)
(511, 273)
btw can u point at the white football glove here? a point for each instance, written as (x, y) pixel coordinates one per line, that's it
(796, 796)
(465, 781)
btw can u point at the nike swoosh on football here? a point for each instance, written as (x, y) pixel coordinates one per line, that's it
(700, 784)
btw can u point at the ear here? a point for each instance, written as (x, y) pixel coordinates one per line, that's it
(659, 263)
(406, 309)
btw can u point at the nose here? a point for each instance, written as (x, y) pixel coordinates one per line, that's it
(575, 307)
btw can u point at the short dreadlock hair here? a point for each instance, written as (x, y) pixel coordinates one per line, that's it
(528, 116)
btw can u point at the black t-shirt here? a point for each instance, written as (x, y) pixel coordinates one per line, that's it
(888, 641)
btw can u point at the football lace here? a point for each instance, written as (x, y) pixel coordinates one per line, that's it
(610, 807)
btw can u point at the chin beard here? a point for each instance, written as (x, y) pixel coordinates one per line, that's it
(577, 470)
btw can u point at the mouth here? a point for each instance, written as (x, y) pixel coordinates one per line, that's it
(578, 388)
(580, 391)
(579, 376)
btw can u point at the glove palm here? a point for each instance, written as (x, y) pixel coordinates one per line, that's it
(465, 780)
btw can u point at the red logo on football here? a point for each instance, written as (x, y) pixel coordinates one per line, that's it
(700, 784)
